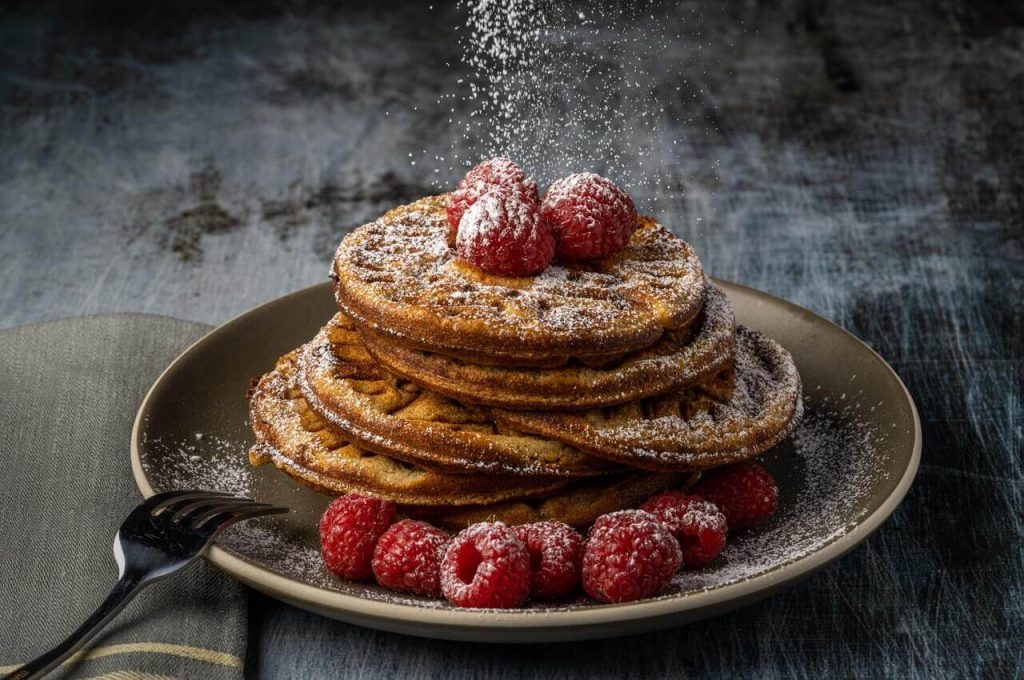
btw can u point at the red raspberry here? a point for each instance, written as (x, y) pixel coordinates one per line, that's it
(556, 558)
(349, 531)
(407, 558)
(491, 173)
(745, 493)
(696, 523)
(590, 216)
(486, 566)
(502, 234)
(629, 556)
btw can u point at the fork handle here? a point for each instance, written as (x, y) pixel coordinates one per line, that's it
(124, 590)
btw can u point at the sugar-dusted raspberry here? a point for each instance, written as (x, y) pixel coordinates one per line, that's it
(745, 492)
(407, 557)
(501, 233)
(490, 173)
(556, 558)
(697, 524)
(485, 565)
(629, 555)
(349, 531)
(591, 217)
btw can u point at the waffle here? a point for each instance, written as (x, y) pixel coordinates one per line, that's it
(465, 397)
(739, 415)
(681, 358)
(300, 443)
(578, 505)
(344, 385)
(399, 276)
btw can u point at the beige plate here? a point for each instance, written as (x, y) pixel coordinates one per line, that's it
(846, 469)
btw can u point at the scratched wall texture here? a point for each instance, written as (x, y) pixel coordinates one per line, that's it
(196, 160)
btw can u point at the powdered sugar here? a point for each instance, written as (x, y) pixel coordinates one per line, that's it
(591, 182)
(205, 461)
(275, 548)
(825, 478)
(702, 517)
(563, 87)
(485, 212)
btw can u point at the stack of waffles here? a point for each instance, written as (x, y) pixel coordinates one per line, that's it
(463, 396)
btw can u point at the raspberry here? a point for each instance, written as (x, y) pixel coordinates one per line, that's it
(629, 556)
(590, 216)
(349, 531)
(556, 557)
(745, 493)
(491, 173)
(486, 566)
(407, 558)
(696, 523)
(502, 234)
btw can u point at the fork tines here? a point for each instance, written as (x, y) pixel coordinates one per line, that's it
(195, 508)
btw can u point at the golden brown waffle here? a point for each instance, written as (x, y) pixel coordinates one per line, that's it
(578, 506)
(399, 276)
(294, 438)
(723, 422)
(380, 412)
(682, 357)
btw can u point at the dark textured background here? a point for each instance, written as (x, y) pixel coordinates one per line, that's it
(863, 160)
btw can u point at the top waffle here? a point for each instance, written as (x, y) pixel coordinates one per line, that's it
(399, 276)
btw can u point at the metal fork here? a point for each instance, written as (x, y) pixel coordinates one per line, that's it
(164, 534)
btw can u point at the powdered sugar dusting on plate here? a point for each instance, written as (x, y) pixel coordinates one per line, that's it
(205, 461)
(825, 475)
(832, 459)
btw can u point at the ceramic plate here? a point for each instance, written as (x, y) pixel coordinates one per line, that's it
(840, 476)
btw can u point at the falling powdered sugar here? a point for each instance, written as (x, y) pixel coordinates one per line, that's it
(562, 87)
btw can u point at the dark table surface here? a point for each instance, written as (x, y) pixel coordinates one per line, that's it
(865, 161)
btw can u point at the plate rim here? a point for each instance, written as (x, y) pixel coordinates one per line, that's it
(407, 616)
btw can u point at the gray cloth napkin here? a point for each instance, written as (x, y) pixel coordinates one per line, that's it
(68, 395)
